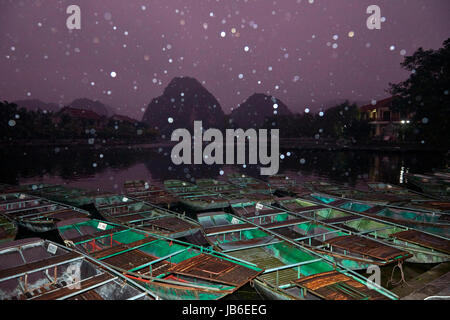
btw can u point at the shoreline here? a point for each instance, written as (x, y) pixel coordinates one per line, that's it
(285, 144)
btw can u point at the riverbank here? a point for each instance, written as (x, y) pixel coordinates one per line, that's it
(285, 144)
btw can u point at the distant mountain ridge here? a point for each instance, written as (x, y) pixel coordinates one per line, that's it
(91, 105)
(83, 104)
(184, 101)
(35, 105)
(256, 109)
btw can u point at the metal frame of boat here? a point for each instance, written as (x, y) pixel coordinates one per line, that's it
(36, 269)
(172, 269)
(35, 213)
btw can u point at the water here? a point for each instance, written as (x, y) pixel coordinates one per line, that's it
(107, 169)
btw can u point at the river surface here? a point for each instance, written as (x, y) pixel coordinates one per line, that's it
(106, 169)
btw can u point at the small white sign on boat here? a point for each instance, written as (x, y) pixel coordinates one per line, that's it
(102, 226)
(52, 248)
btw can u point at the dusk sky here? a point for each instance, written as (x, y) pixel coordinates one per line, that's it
(308, 53)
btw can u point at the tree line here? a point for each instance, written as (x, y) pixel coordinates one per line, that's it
(22, 124)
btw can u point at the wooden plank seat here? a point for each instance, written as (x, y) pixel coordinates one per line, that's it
(121, 247)
(84, 284)
(229, 227)
(128, 218)
(214, 269)
(38, 264)
(424, 239)
(129, 259)
(130, 211)
(367, 247)
(334, 285)
(172, 224)
(96, 235)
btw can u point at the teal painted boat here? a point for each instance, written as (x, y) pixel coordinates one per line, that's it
(425, 247)
(148, 217)
(35, 213)
(292, 272)
(433, 222)
(36, 269)
(171, 269)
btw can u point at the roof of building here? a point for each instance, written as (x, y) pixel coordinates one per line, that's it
(380, 104)
(118, 117)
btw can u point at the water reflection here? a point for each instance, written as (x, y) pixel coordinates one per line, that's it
(106, 169)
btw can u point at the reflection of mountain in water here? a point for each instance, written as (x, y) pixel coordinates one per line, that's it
(111, 167)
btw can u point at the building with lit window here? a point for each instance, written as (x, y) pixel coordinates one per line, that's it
(385, 123)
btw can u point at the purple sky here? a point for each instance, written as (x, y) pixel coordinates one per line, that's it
(41, 59)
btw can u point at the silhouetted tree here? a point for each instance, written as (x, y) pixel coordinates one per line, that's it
(426, 94)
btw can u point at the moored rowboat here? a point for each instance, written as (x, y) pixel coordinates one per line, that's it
(433, 222)
(425, 247)
(286, 263)
(36, 269)
(35, 213)
(171, 269)
(145, 216)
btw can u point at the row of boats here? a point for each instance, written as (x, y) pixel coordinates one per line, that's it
(180, 240)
